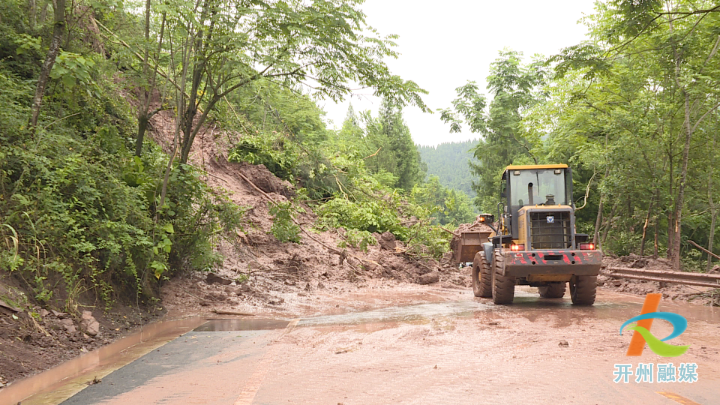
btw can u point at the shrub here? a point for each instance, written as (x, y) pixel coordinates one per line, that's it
(283, 227)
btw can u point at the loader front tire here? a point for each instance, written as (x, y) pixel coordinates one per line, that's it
(481, 276)
(582, 290)
(503, 287)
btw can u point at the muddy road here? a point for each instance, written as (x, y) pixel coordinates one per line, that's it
(408, 345)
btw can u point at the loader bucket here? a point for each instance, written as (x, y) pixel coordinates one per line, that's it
(468, 244)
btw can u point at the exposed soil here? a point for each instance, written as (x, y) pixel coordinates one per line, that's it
(33, 339)
(698, 295)
(283, 277)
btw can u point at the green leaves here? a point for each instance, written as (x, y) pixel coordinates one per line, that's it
(283, 227)
(516, 87)
(72, 68)
(27, 43)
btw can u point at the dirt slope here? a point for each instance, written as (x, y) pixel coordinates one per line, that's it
(283, 276)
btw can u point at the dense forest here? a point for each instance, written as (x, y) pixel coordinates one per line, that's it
(633, 109)
(90, 202)
(450, 162)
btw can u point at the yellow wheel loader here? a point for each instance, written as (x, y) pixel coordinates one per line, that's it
(534, 242)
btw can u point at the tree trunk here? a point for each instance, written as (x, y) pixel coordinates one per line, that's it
(713, 210)
(711, 238)
(142, 127)
(645, 227)
(656, 242)
(32, 11)
(677, 226)
(53, 51)
(598, 221)
(609, 224)
(144, 114)
(670, 233)
(656, 246)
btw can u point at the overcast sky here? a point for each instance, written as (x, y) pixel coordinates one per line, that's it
(445, 44)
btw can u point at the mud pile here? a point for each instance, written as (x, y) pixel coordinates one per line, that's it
(672, 291)
(259, 272)
(475, 226)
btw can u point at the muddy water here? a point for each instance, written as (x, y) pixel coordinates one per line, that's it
(462, 324)
(101, 361)
(226, 325)
(410, 313)
(527, 304)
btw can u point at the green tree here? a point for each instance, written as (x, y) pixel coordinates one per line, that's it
(634, 109)
(392, 145)
(450, 162)
(514, 88)
(223, 45)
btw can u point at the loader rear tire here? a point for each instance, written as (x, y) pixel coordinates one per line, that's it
(481, 276)
(582, 290)
(503, 286)
(552, 290)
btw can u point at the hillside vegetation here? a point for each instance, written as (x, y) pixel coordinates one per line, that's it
(634, 110)
(450, 162)
(91, 207)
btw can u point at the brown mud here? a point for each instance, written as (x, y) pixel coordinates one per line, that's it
(283, 278)
(259, 274)
(33, 339)
(671, 291)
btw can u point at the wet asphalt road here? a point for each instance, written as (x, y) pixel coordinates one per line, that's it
(463, 350)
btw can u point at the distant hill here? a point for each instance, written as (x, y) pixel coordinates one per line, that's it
(449, 161)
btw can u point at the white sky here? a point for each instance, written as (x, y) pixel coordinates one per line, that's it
(445, 44)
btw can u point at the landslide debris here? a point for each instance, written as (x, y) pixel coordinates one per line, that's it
(671, 291)
(475, 226)
(261, 273)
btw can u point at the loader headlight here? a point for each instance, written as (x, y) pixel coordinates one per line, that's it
(517, 248)
(587, 246)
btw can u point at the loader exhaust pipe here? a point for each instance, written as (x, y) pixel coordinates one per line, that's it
(530, 194)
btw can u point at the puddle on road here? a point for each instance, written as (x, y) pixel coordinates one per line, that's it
(527, 304)
(410, 313)
(66, 377)
(223, 325)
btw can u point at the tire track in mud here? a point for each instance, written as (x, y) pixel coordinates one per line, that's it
(247, 395)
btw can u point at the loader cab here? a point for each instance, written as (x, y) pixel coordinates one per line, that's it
(545, 188)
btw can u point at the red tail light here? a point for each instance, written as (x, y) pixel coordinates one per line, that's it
(517, 248)
(587, 246)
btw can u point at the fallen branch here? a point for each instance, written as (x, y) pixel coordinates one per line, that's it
(37, 325)
(332, 249)
(222, 312)
(448, 231)
(703, 249)
(376, 152)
